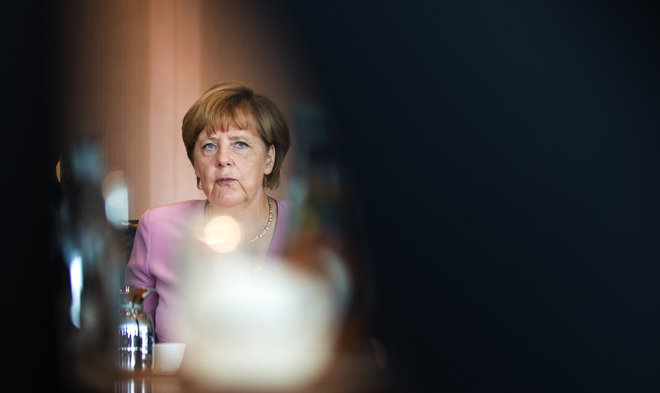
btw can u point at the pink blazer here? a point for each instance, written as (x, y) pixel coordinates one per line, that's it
(160, 237)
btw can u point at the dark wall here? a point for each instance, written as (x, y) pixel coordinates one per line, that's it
(505, 155)
(28, 173)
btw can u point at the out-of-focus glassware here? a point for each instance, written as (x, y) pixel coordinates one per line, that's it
(91, 250)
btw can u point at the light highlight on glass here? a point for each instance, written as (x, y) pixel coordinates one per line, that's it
(58, 170)
(76, 279)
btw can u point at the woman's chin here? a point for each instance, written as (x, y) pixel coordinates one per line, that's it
(224, 200)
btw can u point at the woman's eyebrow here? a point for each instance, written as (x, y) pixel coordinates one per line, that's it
(236, 134)
(233, 134)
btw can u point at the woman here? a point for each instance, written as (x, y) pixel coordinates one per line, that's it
(236, 141)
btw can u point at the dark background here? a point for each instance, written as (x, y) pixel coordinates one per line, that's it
(29, 141)
(504, 158)
(31, 273)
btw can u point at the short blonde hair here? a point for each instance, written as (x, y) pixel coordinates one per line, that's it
(232, 103)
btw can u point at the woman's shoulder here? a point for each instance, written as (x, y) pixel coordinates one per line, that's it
(282, 202)
(284, 207)
(174, 211)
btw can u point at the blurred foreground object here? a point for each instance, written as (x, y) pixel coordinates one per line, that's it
(94, 259)
(271, 329)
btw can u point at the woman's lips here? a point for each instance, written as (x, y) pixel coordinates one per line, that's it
(225, 180)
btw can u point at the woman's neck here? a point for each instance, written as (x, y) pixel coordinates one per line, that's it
(252, 216)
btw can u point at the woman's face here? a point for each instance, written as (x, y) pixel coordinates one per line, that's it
(231, 165)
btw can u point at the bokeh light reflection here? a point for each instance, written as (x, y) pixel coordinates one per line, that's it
(115, 194)
(222, 234)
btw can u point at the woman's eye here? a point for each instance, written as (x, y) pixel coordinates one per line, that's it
(241, 145)
(208, 146)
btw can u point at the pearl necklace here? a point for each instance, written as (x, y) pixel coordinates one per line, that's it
(207, 212)
(270, 221)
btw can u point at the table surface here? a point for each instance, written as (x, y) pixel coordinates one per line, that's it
(348, 373)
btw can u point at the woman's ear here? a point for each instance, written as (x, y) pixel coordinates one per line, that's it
(270, 160)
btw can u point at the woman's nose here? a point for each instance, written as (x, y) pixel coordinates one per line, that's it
(223, 156)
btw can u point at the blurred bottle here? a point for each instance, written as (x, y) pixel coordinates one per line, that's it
(92, 253)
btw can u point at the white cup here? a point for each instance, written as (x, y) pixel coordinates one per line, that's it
(168, 357)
